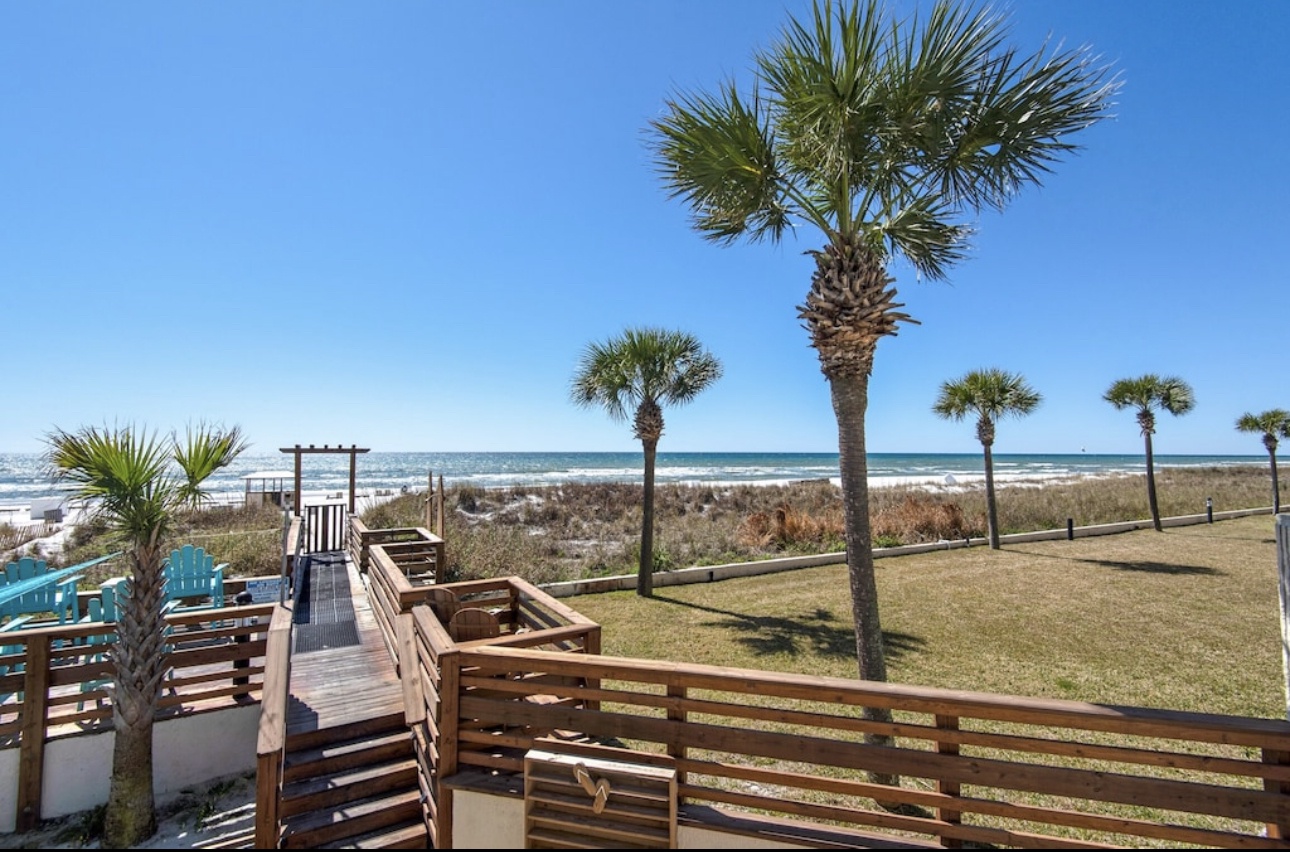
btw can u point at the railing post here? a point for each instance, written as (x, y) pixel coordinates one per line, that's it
(449, 722)
(1277, 831)
(35, 716)
(948, 788)
(677, 713)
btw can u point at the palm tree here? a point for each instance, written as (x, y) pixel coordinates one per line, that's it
(1148, 394)
(204, 452)
(1271, 425)
(129, 481)
(635, 374)
(886, 136)
(992, 395)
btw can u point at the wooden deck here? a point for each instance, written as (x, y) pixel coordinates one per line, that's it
(336, 687)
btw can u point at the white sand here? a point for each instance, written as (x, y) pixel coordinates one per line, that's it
(216, 812)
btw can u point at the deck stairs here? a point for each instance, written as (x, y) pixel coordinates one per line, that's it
(352, 787)
(349, 773)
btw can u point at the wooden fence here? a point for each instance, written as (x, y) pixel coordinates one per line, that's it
(52, 680)
(976, 768)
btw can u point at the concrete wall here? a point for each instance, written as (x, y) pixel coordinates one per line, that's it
(187, 751)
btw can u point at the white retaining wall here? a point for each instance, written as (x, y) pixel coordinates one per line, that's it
(712, 573)
(187, 751)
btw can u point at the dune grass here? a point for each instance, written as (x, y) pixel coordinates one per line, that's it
(574, 531)
(1186, 619)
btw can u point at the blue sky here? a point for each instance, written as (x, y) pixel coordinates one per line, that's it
(399, 224)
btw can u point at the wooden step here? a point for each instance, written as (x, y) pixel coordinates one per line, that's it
(348, 754)
(323, 737)
(329, 791)
(374, 815)
(410, 836)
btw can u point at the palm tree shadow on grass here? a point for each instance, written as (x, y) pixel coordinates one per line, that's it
(1143, 567)
(819, 632)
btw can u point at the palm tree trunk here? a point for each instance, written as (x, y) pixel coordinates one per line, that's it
(645, 573)
(1151, 487)
(991, 507)
(139, 659)
(850, 400)
(1276, 490)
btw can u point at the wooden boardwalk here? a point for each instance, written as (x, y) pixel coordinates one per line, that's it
(336, 686)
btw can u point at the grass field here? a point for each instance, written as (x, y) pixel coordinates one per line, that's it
(1185, 619)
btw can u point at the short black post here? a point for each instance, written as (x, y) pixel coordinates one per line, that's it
(242, 598)
(1070, 529)
(1209, 509)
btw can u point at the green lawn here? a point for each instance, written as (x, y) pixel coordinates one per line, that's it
(1186, 619)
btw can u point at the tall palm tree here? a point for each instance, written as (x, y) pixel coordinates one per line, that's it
(1271, 425)
(885, 136)
(1148, 394)
(636, 374)
(128, 477)
(991, 395)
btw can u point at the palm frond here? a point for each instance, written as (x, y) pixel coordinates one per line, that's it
(718, 154)
(205, 450)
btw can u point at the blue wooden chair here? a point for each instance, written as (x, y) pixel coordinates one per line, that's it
(97, 611)
(28, 588)
(191, 573)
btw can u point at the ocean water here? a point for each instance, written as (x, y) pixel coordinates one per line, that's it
(23, 477)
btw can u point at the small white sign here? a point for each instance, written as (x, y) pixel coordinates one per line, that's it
(265, 591)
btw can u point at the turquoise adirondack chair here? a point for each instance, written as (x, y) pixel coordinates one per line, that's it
(191, 573)
(98, 610)
(29, 588)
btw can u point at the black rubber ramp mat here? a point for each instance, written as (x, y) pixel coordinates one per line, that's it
(324, 611)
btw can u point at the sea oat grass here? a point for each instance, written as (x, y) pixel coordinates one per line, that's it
(584, 530)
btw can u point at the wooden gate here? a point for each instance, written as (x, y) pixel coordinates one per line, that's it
(325, 526)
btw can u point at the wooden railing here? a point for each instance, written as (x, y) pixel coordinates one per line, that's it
(422, 544)
(977, 768)
(272, 736)
(54, 678)
(399, 574)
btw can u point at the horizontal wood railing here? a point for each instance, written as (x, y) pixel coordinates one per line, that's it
(54, 679)
(420, 544)
(976, 768)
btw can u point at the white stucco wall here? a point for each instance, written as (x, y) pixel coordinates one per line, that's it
(482, 821)
(185, 752)
(9, 790)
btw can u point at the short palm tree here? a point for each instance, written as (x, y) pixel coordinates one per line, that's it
(1148, 394)
(1271, 425)
(991, 395)
(128, 478)
(635, 375)
(884, 137)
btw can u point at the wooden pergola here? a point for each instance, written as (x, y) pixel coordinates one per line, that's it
(353, 451)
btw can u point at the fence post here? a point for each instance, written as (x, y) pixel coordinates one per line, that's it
(242, 599)
(676, 713)
(35, 717)
(1283, 587)
(948, 788)
(1276, 831)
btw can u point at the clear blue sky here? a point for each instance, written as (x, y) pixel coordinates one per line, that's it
(398, 225)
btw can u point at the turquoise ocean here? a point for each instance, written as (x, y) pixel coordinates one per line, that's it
(23, 477)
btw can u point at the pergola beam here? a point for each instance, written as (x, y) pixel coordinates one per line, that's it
(353, 451)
